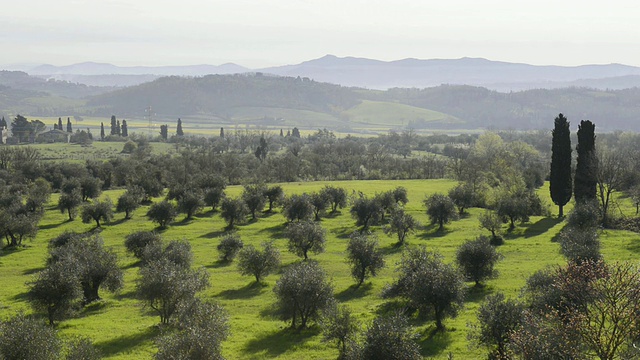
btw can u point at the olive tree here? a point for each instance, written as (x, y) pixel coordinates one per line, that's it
(229, 246)
(252, 261)
(130, 201)
(390, 337)
(25, 337)
(305, 236)
(367, 212)
(190, 203)
(95, 266)
(298, 208)
(477, 259)
(164, 286)
(200, 328)
(364, 256)
(234, 211)
(340, 326)
(162, 213)
(55, 290)
(136, 242)
(274, 195)
(254, 197)
(97, 211)
(401, 224)
(498, 317)
(69, 203)
(430, 285)
(302, 292)
(441, 209)
(336, 196)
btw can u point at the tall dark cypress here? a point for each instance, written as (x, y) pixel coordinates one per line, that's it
(118, 127)
(102, 131)
(124, 130)
(60, 124)
(584, 187)
(560, 182)
(179, 131)
(114, 130)
(69, 129)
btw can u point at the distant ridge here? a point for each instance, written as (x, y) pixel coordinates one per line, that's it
(93, 68)
(410, 73)
(372, 74)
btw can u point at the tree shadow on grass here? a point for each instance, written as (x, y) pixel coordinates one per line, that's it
(541, 226)
(278, 342)
(118, 222)
(124, 344)
(433, 231)
(246, 292)
(433, 342)
(32, 271)
(8, 250)
(205, 215)
(353, 292)
(213, 234)
(23, 296)
(476, 294)
(219, 264)
(126, 295)
(53, 226)
(393, 248)
(634, 246)
(184, 222)
(274, 230)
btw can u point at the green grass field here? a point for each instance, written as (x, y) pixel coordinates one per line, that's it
(122, 329)
(368, 117)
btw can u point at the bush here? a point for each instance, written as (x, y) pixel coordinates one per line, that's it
(579, 245)
(585, 215)
(229, 247)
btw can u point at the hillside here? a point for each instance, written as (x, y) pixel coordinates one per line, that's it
(274, 102)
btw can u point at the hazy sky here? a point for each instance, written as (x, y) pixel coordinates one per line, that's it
(257, 33)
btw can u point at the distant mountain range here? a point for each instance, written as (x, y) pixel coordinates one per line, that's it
(373, 74)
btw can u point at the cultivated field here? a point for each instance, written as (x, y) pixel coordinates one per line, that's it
(122, 329)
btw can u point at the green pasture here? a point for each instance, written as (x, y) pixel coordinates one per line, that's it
(122, 329)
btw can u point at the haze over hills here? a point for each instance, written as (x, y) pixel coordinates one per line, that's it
(373, 74)
(260, 98)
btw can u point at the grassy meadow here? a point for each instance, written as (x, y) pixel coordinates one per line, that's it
(122, 329)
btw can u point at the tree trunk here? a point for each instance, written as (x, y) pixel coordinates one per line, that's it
(560, 211)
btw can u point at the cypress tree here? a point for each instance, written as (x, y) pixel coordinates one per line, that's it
(118, 127)
(164, 131)
(102, 131)
(113, 125)
(69, 129)
(125, 131)
(179, 131)
(222, 132)
(560, 184)
(584, 187)
(55, 126)
(281, 133)
(60, 124)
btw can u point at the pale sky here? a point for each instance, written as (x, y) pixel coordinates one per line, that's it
(258, 33)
